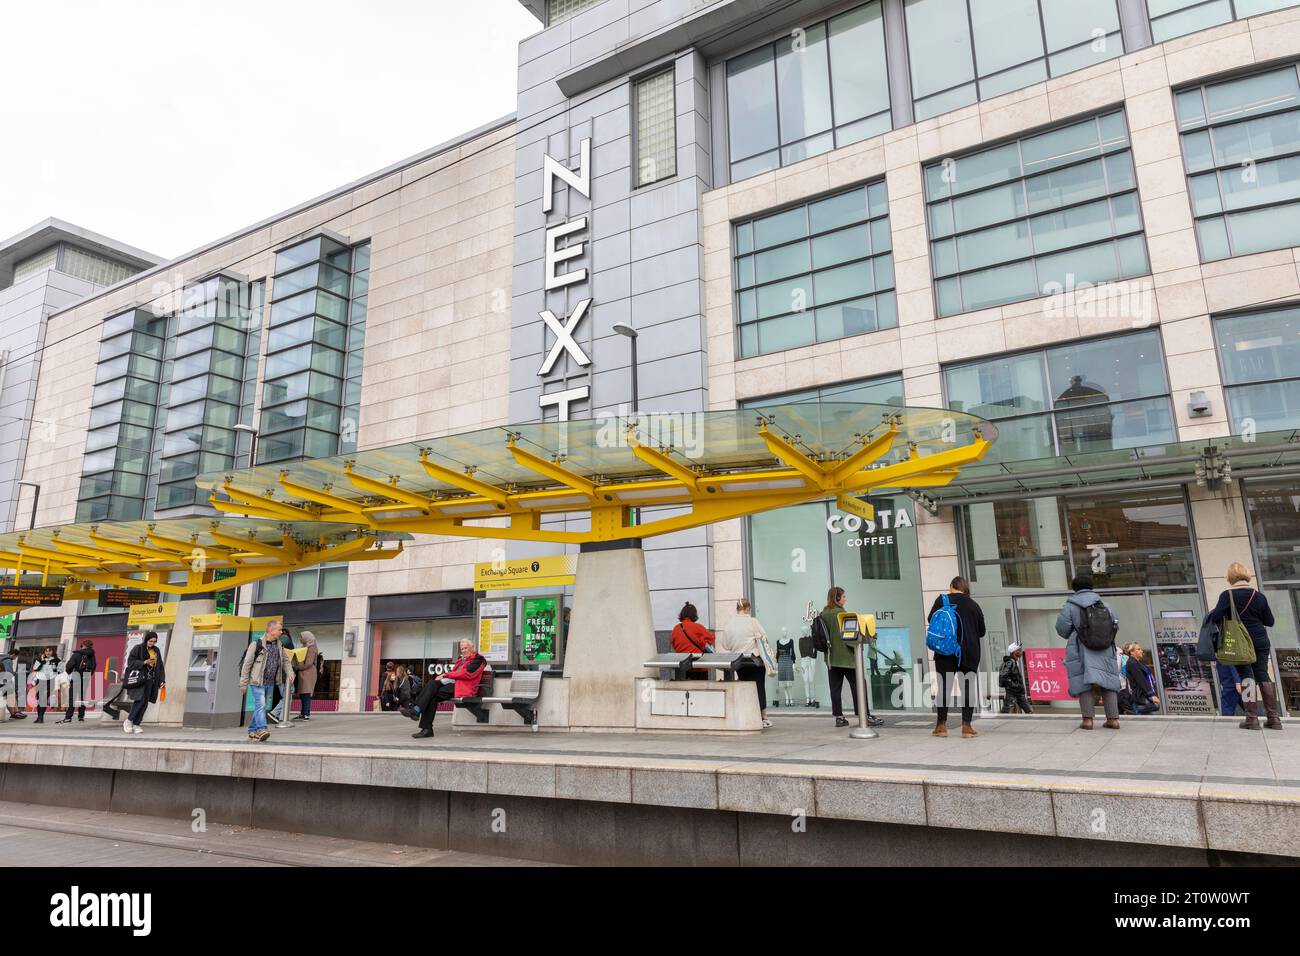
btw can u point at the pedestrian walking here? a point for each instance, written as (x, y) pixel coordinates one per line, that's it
(744, 635)
(1089, 627)
(13, 681)
(1241, 603)
(81, 670)
(145, 677)
(1011, 678)
(261, 669)
(961, 669)
(839, 658)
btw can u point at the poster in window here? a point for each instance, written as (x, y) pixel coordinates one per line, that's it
(1187, 684)
(1288, 670)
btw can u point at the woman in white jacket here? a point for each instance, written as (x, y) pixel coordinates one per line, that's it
(744, 635)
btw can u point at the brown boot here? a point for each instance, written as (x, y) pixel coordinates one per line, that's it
(940, 729)
(1269, 693)
(1252, 714)
(1111, 724)
(1086, 724)
(968, 731)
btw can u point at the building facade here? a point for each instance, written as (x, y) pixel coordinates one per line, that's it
(1077, 220)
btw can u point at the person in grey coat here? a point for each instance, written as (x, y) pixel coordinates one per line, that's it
(1090, 672)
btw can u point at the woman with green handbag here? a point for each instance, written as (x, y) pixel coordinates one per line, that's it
(1243, 617)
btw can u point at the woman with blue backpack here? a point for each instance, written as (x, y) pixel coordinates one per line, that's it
(955, 628)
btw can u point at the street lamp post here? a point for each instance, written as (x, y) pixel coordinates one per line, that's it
(625, 330)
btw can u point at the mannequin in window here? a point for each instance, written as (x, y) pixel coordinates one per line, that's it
(808, 659)
(785, 657)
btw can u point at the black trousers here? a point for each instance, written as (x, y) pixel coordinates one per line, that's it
(838, 675)
(431, 695)
(1018, 697)
(758, 675)
(952, 676)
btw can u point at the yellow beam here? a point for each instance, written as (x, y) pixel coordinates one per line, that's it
(463, 480)
(388, 490)
(320, 496)
(899, 474)
(552, 470)
(869, 452)
(266, 507)
(235, 544)
(788, 455)
(668, 465)
(141, 550)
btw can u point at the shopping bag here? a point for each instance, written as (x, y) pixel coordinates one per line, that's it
(1236, 646)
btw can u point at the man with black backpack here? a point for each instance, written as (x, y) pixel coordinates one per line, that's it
(80, 669)
(1089, 627)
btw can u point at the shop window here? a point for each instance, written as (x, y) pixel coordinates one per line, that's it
(1260, 356)
(961, 51)
(1015, 545)
(1135, 541)
(1274, 512)
(1176, 18)
(1240, 142)
(1036, 215)
(816, 272)
(816, 89)
(656, 128)
(882, 390)
(1070, 399)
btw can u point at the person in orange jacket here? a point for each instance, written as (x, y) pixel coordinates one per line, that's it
(692, 637)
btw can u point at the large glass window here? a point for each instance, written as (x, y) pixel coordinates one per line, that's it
(815, 273)
(1176, 18)
(1260, 353)
(966, 50)
(656, 129)
(882, 390)
(1274, 510)
(820, 88)
(1039, 544)
(1070, 399)
(1241, 150)
(1014, 221)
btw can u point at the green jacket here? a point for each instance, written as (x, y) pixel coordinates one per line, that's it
(841, 654)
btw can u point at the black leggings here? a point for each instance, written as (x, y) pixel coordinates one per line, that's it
(758, 675)
(838, 675)
(1259, 669)
(952, 676)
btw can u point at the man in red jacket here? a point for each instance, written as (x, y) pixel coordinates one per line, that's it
(461, 680)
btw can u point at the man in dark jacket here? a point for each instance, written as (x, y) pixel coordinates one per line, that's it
(1012, 681)
(462, 680)
(81, 669)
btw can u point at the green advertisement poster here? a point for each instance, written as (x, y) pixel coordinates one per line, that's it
(6, 626)
(541, 619)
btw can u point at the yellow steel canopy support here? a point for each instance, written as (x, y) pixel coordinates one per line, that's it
(739, 463)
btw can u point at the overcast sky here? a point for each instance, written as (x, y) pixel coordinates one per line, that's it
(166, 124)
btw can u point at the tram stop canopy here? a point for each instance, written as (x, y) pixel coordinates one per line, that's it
(704, 467)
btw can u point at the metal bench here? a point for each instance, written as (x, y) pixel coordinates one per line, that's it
(525, 691)
(679, 664)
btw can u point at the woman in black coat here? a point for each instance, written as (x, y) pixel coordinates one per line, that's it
(81, 670)
(148, 656)
(1141, 683)
(970, 631)
(1253, 610)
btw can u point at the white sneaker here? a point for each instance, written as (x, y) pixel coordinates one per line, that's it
(126, 725)
(137, 729)
(767, 723)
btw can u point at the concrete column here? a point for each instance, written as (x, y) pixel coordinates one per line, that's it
(177, 662)
(611, 635)
(1219, 518)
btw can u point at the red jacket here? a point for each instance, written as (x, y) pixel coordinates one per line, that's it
(467, 672)
(690, 637)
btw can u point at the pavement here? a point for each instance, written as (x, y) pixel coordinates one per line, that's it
(65, 837)
(1198, 782)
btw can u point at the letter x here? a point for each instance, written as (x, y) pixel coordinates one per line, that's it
(564, 337)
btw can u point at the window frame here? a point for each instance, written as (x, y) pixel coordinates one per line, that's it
(634, 82)
(1228, 388)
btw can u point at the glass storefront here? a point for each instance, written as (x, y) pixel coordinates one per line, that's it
(1021, 556)
(796, 554)
(1273, 508)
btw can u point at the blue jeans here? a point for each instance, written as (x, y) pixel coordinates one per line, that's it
(1229, 698)
(260, 693)
(306, 704)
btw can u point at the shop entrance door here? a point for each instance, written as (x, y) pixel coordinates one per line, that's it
(1164, 622)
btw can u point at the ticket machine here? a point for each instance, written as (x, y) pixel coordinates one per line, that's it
(213, 698)
(857, 630)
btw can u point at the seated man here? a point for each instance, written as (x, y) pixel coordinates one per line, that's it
(461, 680)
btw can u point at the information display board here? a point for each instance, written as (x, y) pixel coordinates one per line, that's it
(495, 627)
(124, 597)
(21, 595)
